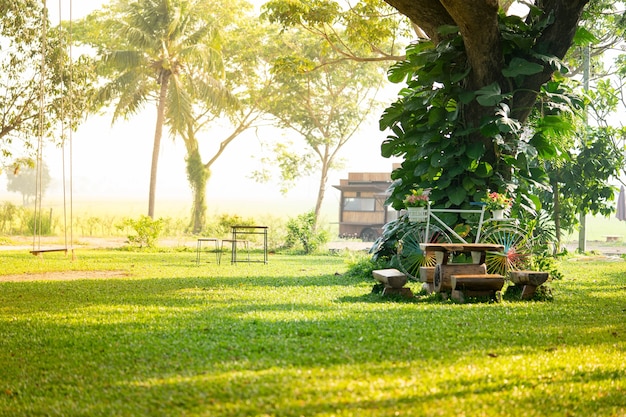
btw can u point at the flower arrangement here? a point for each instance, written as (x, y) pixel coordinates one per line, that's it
(497, 201)
(417, 198)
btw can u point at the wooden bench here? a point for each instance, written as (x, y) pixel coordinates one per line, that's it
(476, 285)
(612, 238)
(443, 274)
(530, 281)
(393, 281)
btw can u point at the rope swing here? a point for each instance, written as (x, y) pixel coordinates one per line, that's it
(66, 142)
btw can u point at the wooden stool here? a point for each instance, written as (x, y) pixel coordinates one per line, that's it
(530, 280)
(394, 282)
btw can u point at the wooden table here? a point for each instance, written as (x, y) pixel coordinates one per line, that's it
(461, 280)
(477, 250)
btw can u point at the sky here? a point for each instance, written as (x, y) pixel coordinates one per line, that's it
(113, 161)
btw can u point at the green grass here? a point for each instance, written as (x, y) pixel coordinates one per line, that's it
(297, 338)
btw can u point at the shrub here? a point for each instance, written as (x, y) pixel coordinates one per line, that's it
(42, 223)
(147, 230)
(300, 230)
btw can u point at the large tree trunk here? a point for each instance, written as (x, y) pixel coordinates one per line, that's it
(158, 133)
(198, 175)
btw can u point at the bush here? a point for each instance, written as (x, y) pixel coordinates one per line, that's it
(301, 231)
(147, 230)
(8, 214)
(42, 225)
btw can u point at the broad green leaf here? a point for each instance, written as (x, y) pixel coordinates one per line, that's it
(520, 66)
(435, 115)
(544, 147)
(466, 96)
(475, 150)
(484, 170)
(445, 30)
(456, 195)
(489, 95)
(536, 201)
(584, 37)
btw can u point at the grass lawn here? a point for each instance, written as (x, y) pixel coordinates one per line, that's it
(164, 337)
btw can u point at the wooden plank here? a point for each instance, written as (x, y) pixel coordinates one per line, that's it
(443, 272)
(535, 278)
(41, 251)
(461, 247)
(392, 278)
(486, 282)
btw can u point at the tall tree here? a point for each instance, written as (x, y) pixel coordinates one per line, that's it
(24, 181)
(249, 79)
(470, 136)
(167, 52)
(324, 99)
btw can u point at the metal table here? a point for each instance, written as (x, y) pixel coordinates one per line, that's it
(239, 233)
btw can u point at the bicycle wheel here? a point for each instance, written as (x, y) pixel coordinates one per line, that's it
(410, 256)
(516, 253)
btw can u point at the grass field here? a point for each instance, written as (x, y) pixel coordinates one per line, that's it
(297, 337)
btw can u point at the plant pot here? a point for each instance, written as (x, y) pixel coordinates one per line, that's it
(497, 214)
(418, 214)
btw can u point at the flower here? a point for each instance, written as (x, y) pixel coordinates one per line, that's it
(497, 201)
(417, 198)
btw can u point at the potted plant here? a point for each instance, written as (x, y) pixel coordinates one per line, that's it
(497, 203)
(416, 203)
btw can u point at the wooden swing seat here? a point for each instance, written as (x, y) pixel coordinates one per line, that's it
(42, 251)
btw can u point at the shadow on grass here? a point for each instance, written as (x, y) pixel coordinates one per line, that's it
(249, 343)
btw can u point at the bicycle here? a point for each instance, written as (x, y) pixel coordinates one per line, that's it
(505, 232)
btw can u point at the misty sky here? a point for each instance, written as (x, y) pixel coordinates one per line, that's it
(114, 161)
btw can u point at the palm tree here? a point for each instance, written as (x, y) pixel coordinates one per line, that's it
(163, 51)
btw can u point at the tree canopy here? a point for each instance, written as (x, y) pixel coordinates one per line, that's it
(321, 97)
(461, 123)
(163, 51)
(40, 88)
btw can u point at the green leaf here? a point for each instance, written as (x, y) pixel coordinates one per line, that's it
(475, 150)
(544, 147)
(451, 105)
(466, 96)
(435, 115)
(520, 66)
(456, 195)
(536, 201)
(484, 170)
(584, 37)
(455, 78)
(387, 149)
(489, 95)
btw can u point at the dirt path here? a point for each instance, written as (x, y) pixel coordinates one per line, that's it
(63, 276)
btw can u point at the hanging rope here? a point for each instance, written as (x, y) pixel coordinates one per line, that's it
(66, 136)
